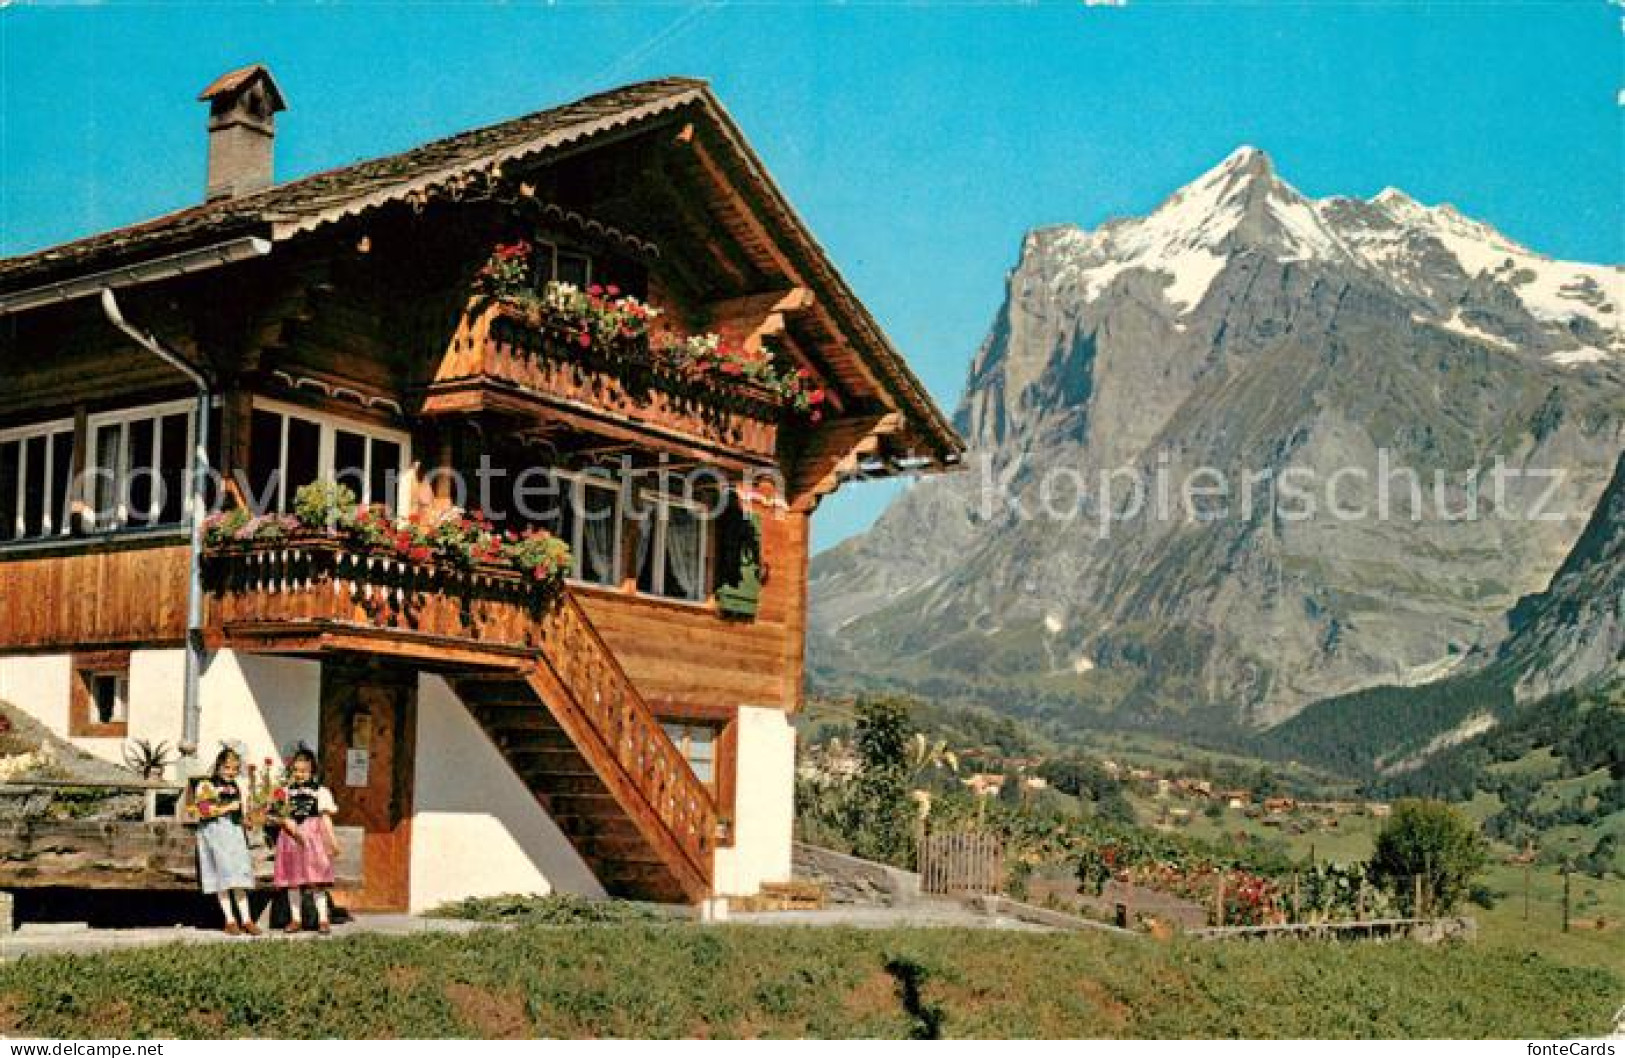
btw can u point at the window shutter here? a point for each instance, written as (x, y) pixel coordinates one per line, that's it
(739, 569)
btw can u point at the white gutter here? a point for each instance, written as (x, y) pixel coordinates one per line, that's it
(192, 707)
(176, 264)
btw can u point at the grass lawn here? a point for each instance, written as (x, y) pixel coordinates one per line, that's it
(1348, 842)
(690, 981)
(1597, 933)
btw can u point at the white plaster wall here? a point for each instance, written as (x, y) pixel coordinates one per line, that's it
(38, 685)
(269, 704)
(476, 829)
(764, 810)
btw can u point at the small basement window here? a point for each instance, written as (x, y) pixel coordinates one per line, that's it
(100, 706)
(698, 743)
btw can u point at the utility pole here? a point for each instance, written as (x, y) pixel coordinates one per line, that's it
(1528, 870)
(1568, 870)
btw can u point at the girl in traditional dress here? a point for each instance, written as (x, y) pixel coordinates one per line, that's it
(224, 866)
(305, 845)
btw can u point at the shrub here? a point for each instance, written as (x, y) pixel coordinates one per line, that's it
(329, 504)
(1431, 841)
(884, 813)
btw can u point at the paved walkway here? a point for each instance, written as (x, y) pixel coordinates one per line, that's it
(74, 939)
(921, 916)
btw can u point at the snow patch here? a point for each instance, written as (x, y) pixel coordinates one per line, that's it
(1469, 728)
(1456, 325)
(1432, 670)
(1551, 290)
(1585, 354)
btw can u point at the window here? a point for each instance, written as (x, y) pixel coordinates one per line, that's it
(137, 473)
(584, 510)
(100, 706)
(109, 697)
(292, 447)
(557, 264)
(698, 743)
(36, 473)
(673, 556)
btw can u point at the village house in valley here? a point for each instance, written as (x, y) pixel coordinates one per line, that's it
(600, 324)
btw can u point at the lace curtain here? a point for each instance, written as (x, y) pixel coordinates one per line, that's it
(598, 533)
(683, 551)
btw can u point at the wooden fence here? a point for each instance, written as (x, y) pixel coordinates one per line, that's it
(962, 862)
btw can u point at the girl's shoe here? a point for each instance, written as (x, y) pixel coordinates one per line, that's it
(292, 927)
(232, 929)
(251, 929)
(324, 927)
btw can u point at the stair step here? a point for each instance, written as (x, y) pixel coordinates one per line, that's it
(624, 873)
(579, 826)
(557, 784)
(517, 721)
(618, 850)
(540, 757)
(528, 740)
(513, 702)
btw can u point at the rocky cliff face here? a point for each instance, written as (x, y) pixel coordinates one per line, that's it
(1573, 633)
(1248, 451)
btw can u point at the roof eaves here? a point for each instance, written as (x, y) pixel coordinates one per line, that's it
(300, 223)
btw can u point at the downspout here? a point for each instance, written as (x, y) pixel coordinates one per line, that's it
(192, 708)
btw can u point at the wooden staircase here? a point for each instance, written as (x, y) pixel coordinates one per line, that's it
(570, 788)
(576, 731)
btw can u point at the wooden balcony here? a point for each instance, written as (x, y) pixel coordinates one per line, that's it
(503, 360)
(522, 661)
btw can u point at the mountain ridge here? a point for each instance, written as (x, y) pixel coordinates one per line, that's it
(1240, 325)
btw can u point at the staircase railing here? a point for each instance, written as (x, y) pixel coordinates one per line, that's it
(631, 740)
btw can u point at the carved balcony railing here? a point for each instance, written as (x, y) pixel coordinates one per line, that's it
(502, 350)
(313, 585)
(317, 593)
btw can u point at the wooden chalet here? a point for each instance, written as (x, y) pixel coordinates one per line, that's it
(625, 732)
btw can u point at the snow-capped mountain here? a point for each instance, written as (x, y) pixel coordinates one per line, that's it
(1431, 255)
(1244, 327)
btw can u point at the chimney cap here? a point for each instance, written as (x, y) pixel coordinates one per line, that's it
(236, 81)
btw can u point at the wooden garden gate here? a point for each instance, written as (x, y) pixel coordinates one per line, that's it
(962, 862)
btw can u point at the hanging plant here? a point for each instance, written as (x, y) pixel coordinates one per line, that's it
(452, 537)
(616, 326)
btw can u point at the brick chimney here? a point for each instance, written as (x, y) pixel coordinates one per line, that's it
(243, 105)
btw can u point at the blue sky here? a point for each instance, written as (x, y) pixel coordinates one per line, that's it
(918, 140)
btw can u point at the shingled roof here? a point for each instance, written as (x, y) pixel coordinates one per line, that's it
(288, 210)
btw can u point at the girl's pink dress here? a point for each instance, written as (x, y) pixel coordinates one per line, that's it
(304, 862)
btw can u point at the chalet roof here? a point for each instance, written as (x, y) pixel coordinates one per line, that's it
(288, 210)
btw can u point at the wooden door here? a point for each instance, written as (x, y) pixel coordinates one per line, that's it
(369, 726)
